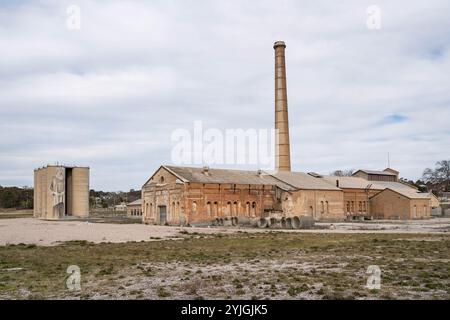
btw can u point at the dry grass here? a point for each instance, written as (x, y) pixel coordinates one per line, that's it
(242, 266)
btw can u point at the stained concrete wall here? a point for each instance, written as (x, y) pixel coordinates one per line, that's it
(80, 187)
(55, 198)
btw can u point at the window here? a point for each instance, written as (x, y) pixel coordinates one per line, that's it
(253, 209)
(172, 213)
(208, 208)
(194, 207)
(235, 208)
(247, 209)
(216, 208)
(327, 209)
(348, 207)
(228, 208)
(360, 207)
(322, 208)
(161, 180)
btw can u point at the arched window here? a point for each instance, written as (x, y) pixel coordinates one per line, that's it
(326, 207)
(177, 210)
(235, 208)
(311, 211)
(208, 208)
(247, 209)
(348, 207)
(215, 209)
(353, 207)
(360, 207)
(161, 180)
(254, 209)
(194, 207)
(172, 213)
(146, 209)
(322, 208)
(228, 208)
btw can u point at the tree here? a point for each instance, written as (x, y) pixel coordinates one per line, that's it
(342, 173)
(439, 177)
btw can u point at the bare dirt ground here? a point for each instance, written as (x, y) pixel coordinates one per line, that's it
(134, 261)
(39, 232)
(268, 265)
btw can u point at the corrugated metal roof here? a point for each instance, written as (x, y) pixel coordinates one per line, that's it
(135, 203)
(227, 176)
(408, 193)
(352, 182)
(403, 189)
(384, 173)
(302, 180)
(360, 183)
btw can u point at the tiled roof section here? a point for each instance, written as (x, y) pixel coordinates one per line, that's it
(384, 173)
(304, 181)
(199, 175)
(137, 202)
(352, 182)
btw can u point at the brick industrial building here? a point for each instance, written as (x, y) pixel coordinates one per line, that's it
(182, 195)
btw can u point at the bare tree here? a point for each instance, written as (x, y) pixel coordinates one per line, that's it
(439, 176)
(342, 173)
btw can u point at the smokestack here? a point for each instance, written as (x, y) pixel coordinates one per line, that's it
(282, 150)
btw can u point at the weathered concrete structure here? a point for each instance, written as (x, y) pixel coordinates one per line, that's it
(61, 192)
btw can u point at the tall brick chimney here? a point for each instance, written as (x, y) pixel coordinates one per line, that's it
(283, 149)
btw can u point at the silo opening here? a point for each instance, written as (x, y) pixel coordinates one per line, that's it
(69, 192)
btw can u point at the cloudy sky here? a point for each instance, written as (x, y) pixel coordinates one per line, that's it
(110, 94)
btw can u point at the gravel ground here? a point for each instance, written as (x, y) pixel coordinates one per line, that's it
(39, 232)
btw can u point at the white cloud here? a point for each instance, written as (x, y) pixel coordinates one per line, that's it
(111, 94)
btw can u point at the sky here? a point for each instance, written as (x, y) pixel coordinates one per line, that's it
(109, 91)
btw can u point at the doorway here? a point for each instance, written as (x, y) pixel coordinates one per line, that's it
(162, 214)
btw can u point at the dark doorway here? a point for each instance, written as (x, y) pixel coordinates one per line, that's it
(69, 192)
(162, 214)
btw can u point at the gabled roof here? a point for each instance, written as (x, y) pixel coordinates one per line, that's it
(304, 181)
(410, 194)
(226, 176)
(384, 173)
(137, 202)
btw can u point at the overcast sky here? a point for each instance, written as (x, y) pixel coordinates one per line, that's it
(110, 94)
